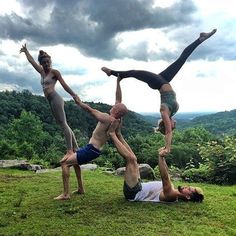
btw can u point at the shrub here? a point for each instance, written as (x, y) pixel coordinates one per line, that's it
(201, 174)
(220, 157)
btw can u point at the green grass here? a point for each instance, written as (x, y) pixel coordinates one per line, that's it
(27, 208)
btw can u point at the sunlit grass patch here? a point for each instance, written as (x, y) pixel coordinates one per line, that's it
(27, 208)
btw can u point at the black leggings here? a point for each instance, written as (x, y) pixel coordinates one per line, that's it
(155, 81)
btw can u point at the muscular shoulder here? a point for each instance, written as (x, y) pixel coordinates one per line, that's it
(105, 118)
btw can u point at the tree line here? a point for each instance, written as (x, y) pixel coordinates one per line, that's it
(28, 131)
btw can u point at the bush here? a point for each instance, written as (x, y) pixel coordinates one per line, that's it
(8, 151)
(202, 174)
(220, 157)
(52, 156)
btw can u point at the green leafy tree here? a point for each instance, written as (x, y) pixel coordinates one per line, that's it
(219, 162)
(8, 151)
(27, 130)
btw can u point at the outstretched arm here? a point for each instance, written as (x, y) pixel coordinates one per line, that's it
(118, 91)
(100, 116)
(168, 129)
(31, 60)
(64, 84)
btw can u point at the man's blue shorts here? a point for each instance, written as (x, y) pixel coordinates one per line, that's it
(87, 154)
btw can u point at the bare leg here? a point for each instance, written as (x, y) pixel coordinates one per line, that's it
(68, 153)
(74, 142)
(132, 174)
(65, 165)
(57, 107)
(80, 189)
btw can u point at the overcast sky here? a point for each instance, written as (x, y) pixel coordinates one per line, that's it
(83, 35)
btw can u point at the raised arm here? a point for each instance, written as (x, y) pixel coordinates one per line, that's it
(168, 189)
(118, 91)
(31, 60)
(168, 129)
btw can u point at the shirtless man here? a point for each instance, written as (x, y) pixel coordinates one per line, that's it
(169, 105)
(93, 149)
(153, 191)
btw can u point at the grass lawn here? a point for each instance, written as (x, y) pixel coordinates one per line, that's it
(27, 208)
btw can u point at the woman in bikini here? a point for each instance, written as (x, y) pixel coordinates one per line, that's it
(49, 77)
(161, 82)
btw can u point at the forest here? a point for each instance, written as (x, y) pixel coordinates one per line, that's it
(203, 150)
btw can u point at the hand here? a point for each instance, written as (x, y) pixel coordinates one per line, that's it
(24, 48)
(113, 127)
(163, 151)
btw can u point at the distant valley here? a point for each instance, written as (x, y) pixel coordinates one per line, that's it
(220, 123)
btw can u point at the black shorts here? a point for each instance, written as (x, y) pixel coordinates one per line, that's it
(87, 154)
(130, 193)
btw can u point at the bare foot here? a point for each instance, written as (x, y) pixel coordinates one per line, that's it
(79, 191)
(204, 36)
(106, 70)
(62, 197)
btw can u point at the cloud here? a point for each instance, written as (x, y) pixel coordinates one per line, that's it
(92, 26)
(84, 35)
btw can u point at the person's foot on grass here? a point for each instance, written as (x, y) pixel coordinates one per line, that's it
(62, 197)
(203, 36)
(78, 191)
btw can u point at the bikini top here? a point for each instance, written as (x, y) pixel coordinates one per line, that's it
(48, 81)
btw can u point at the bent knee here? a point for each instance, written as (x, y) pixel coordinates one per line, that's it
(132, 158)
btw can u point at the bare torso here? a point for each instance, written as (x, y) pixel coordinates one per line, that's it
(99, 136)
(48, 82)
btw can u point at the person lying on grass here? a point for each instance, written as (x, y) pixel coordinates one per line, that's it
(93, 149)
(153, 191)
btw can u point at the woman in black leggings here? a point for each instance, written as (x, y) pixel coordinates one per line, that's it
(161, 81)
